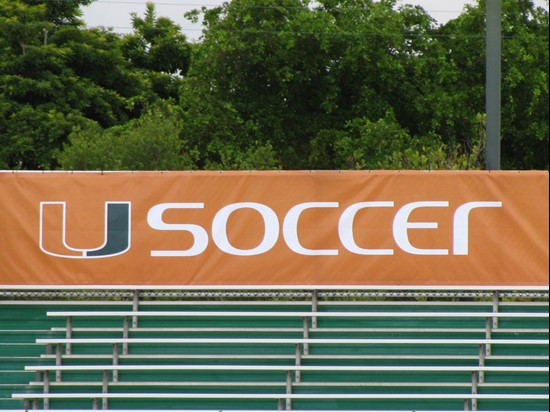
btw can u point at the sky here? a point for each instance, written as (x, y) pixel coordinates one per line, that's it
(116, 13)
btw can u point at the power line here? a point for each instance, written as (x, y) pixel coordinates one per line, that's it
(251, 31)
(163, 3)
(245, 7)
(330, 33)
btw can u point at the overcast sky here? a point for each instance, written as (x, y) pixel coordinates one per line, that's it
(116, 13)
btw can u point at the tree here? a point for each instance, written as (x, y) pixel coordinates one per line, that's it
(38, 96)
(256, 74)
(52, 84)
(41, 98)
(62, 12)
(304, 75)
(151, 142)
(117, 91)
(158, 47)
(21, 25)
(294, 84)
(157, 44)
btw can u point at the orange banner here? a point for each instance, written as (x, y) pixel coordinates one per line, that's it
(274, 228)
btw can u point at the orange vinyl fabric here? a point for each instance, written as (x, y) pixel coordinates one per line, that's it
(395, 228)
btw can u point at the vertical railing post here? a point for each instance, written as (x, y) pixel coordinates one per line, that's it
(58, 361)
(495, 309)
(115, 362)
(105, 389)
(135, 308)
(298, 362)
(314, 308)
(482, 351)
(288, 390)
(488, 334)
(46, 389)
(69, 335)
(125, 335)
(475, 379)
(306, 335)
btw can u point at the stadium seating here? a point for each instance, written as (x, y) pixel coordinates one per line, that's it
(323, 353)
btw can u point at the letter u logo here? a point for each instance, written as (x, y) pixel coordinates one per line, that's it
(53, 231)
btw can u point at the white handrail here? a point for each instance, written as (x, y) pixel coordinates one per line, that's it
(273, 396)
(339, 368)
(304, 314)
(296, 341)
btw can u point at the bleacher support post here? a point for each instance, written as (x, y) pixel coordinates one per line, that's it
(298, 361)
(69, 334)
(481, 362)
(46, 389)
(288, 390)
(306, 335)
(314, 307)
(105, 389)
(135, 308)
(115, 361)
(125, 335)
(495, 308)
(58, 361)
(488, 333)
(474, 389)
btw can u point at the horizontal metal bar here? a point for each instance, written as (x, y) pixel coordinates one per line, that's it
(288, 368)
(304, 314)
(332, 303)
(396, 341)
(272, 396)
(292, 356)
(172, 383)
(182, 356)
(316, 330)
(302, 384)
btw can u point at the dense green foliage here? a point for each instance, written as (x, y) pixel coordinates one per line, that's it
(57, 76)
(272, 84)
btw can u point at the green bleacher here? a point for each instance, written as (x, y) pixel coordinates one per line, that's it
(289, 362)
